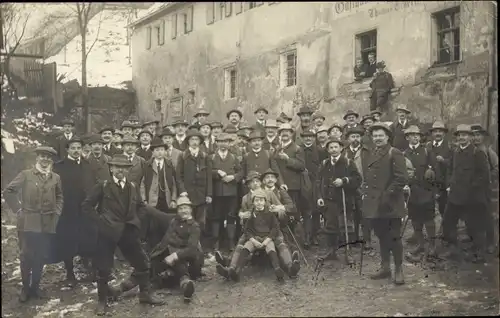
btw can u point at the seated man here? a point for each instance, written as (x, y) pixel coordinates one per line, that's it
(178, 255)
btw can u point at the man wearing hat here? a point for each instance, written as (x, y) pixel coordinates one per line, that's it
(86, 149)
(321, 140)
(127, 128)
(226, 177)
(468, 190)
(194, 176)
(480, 135)
(171, 154)
(376, 114)
(133, 119)
(366, 123)
(151, 125)
(350, 118)
(234, 117)
(107, 137)
(271, 141)
(68, 127)
(421, 202)
(335, 131)
(116, 230)
(217, 129)
(338, 180)
(305, 114)
(35, 227)
(208, 144)
(137, 130)
(440, 152)
(358, 152)
(246, 128)
(318, 120)
(136, 171)
(383, 200)
(144, 150)
(70, 169)
(260, 118)
(283, 119)
(398, 128)
(117, 140)
(381, 86)
(180, 127)
(201, 116)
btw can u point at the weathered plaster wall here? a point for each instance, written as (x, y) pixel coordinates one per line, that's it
(324, 35)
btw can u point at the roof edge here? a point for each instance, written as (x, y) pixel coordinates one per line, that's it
(154, 14)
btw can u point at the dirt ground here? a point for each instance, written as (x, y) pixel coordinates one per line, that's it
(443, 288)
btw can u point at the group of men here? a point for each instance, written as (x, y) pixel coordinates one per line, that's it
(171, 194)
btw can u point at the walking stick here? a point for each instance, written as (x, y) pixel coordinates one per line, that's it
(298, 246)
(345, 228)
(406, 218)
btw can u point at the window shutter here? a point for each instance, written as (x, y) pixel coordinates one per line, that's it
(246, 6)
(238, 7)
(258, 4)
(162, 32)
(148, 38)
(189, 17)
(228, 8)
(210, 12)
(174, 26)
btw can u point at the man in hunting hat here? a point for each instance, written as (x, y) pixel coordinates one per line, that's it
(383, 200)
(119, 202)
(127, 128)
(351, 120)
(136, 172)
(117, 140)
(468, 189)
(36, 224)
(338, 180)
(107, 138)
(145, 137)
(283, 118)
(208, 145)
(180, 127)
(70, 169)
(234, 117)
(226, 177)
(321, 140)
(260, 118)
(272, 139)
(381, 86)
(194, 176)
(366, 123)
(171, 154)
(491, 226)
(68, 127)
(318, 120)
(201, 117)
(305, 115)
(421, 202)
(152, 126)
(359, 153)
(398, 128)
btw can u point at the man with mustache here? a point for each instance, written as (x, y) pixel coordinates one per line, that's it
(305, 116)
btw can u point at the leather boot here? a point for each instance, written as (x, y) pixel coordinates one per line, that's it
(295, 266)
(187, 287)
(25, 278)
(240, 260)
(398, 275)
(146, 296)
(290, 262)
(385, 267)
(102, 297)
(416, 255)
(220, 259)
(222, 271)
(280, 275)
(36, 276)
(231, 233)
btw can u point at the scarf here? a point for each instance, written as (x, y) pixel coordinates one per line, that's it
(43, 171)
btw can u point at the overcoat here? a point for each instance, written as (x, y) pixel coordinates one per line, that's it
(422, 190)
(60, 146)
(194, 176)
(231, 166)
(182, 237)
(99, 168)
(180, 145)
(136, 172)
(291, 169)
(111, 151)
(149, 185)
(384, 179)
(359, 158)
(270, 145)
(260, 162)
(145, 153)
(173, 155)
(441, 168)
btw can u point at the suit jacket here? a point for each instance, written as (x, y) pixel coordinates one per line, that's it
(231, 166)
(291, 168)
(270, 145)
(174, 156)
(180, 146)
(441, 168)
(422, 191)
(112, 151)
(149, 186)
(136, 172)
(210, 149)
(312, 161)
(296, 134)
(384, 179)
(60, 146)
(112, 215)
(99, 168)
(371, 69)
(259, 126)
(194, 176)
(144, 153)
(398, 136)
(359, 158)
(260, 162)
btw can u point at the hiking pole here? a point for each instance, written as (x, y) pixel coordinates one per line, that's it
(298, 246)
(345, 228)
(406, 218)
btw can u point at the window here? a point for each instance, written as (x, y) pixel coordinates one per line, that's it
(160, 33)
(191, 97)
(210, 12)
(188, 20)
(230, 82)
(289, 68)
(366, 44)
(227, 8)
(148, 38)
(238, 7)
(174, 26)
(447, 26)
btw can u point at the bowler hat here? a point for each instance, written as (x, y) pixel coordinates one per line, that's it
(479, 128)
(74, 139)
(130, 140)
(241, 133)
(413, 129)
(193, 133)
(365, 118)
(120, 160)
(404, 108)
(157, 142)
(180, 121)
(306, 133)
(153, 121)
(380, 64)
(46, 149)
(183, 200)
(95, 139)
(230, 129)
(438, 125)
(304, 110)
(201, 111)
(318, 115)
(167, 132)
(283, 118)
(261, 108)
(271, 123)
(337, 140)
(256, 134)
(285, 127)
(67, 121)
(349, 113)
(127, 123)
(463, 128)
(252, 175)
(107, 128)
(216, 124)
(354, 130)
(223, 137)
(269, 171)
(234, 111)
(145, 131)
(381, 126)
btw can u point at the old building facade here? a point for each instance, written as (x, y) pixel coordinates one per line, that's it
(233, 54)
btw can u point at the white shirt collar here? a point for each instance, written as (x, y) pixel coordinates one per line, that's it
(124, 180)
(145, 147)
(68, 136)
(415, 146)
(256, 151)
(158, 162)
(271, 189)
(354, 149)
(270, 139)
(336, 158)
(194, 151)
(438, 143)
(403, 123)
(308, 146)
(131, 156)
(462, 147)
(73, 159)
(284, 145)
(262, 122)
(180, 138)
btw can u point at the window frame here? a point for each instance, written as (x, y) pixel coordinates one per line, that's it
(230, 82)
(188, 19)
(149, 34)
(173, 32)
(454, 30)
(286, 68)
(363, 52)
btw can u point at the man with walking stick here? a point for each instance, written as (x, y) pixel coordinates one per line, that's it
(338, 180)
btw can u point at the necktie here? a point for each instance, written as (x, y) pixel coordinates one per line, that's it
(130, 159)
(158, 166)
(121, 184)
(436, 144)
(334, 161)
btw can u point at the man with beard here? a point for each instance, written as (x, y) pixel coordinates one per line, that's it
(421, 202)
(397, 129)
(180, 127)
(118, 227)
(171, 154)
(234, 116)
(491, 224)
(127, 128)
(144, 150)
(468, 186)
(70, 169)
(36, 224)
(194, 176)
(260, 118)
(226, 175)
(318, 120)
(312, 161)
(107, 137)
(272, 140)
(208, 145)
(383, 200)
(351, 121)
(304, 114)
(136, 171)
(321, 140)
(381, 86)
(68, 126)
(359, 153)
(338, 180)
(151, 126)
(367, 122)
(440, 153)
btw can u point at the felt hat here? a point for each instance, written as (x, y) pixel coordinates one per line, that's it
(216, 124)
(349, 113)
(183, 200)
(74, 139)
(153, 121)
(438, 125)
(234, 111)
(133, 118)
(269, 171)
(375, 111)
(130, 140)
(322, 128)
(223, 137)
(479, 128)
(381, 126)
(242, 133)
(166, 132)
(413, 129)
(259, 193)
(245, 125)
(337, 140)
(46, 149)
(366, 117)
(157, 142)
(95, 139)
(67, 121)
(271, 123)
(308, 132)
(403, 108)
(261, 108)
(120, 160)
(283, 118)
(209, 124)
(127, 123)
(252, 175)
(256, 134)
(230, 129)
(107, 128)
(118, 132)
(380, 64)
(180, 121)
(201, 111)
(304, 110)
(318, 115)
(193, 133)
(463, 128)
(145, 131)
(354, 130)
(335, 125)
(286, 127)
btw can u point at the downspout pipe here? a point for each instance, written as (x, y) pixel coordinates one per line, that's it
(492, 78)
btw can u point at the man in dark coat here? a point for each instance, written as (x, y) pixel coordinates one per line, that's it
(371, 68)
(136, 172)
(107, 137)
(70, 169)
(234, 117)
(208, 145)
(397, 129)
(338, 180)
(351, 121)
(366, 122)
(271, 141)
(321, 140)
(201, 117)
(226, 175)
(381, 86)
(68, 127)
(305, 116)
(115, 206)
(194, 176)
(468, 189)
(383, 200)
(144, 150)
(260, 118)
(180, 127)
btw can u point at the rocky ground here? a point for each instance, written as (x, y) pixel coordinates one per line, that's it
(442, 288)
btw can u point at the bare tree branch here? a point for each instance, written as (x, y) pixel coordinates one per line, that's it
(96, 37)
